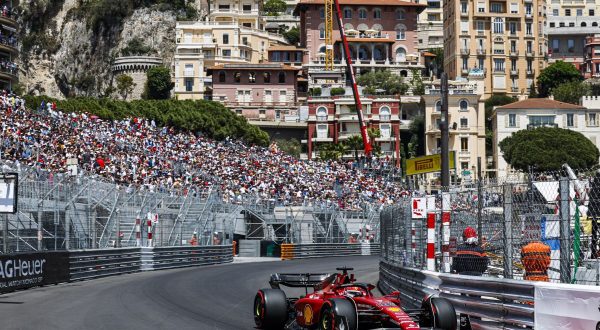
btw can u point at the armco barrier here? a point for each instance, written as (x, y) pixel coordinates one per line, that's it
(319, 250)
(494, 303)
(175, 257)
(88, 264)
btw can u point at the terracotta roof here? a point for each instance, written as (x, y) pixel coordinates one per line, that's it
(428, 54)
(365, 2)
(258, 66)
(286, 47)
(540, 104)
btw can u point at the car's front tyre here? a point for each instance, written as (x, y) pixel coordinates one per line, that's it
(270, 309)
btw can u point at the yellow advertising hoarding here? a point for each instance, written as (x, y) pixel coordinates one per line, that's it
(428, 164)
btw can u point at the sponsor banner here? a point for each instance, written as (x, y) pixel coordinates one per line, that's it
(428, 164)
(26, 270)
(418, 206)
(566, 306)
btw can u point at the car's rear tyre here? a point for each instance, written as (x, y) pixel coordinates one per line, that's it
(338, 314)
(270, 309)
(439, 314)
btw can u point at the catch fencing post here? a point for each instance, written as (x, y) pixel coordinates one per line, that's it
(138, 231)
(508, 238)
(445, 232)
(149, 222)
(431, 241)
(565, 231)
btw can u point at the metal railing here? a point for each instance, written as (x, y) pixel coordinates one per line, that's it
(320, 250)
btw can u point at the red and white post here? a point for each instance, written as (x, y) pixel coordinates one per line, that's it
(446, 241)
(431, 241)
(138, 230)
(149, 223)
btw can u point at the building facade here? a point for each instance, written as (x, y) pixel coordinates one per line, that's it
(591, 54)
(263, 92)
(135, 67)
(233, 32)
(533, 113)
(502, 42)
(382, 34)
(430, 26)
(332, 119)
(466, 118)
(9, 51)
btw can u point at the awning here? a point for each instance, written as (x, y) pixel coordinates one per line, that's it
(9, 28)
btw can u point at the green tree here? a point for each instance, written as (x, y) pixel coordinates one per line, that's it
(136, 47)
(383, 81)
(571, 91)
(418, 88)
(555, 74)
(292, 35)
(548, 148)
(291, 147)
(533, 93)
(416, 144)
(355, 143)
(274, 7)
(125, 85)
(330, 151)
(490, 103)
(159, 84)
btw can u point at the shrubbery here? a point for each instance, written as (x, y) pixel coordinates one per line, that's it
(337, 91)
(209, 118)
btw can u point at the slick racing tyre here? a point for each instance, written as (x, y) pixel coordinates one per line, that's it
(439, 314)
(338, 314)
(270, 309)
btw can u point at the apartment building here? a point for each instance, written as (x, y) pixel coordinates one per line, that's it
(570, 22)
(430, 26)
(502, 42)
(532, 113)
(9, 51)
(591, 57)
(261, 92)
(381, 34)
(332, 119)
(233, 32)
(466, 118)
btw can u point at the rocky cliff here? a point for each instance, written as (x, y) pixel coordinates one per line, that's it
(68, 46)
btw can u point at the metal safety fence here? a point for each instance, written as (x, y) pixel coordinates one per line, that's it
(541, 227)
(305, 251)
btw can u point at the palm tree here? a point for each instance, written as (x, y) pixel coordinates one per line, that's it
(355, 142)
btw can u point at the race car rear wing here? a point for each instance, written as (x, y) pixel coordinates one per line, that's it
(297, 280)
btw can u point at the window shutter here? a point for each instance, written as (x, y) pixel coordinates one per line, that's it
(506, 123)
(565, 116)
(517, 120)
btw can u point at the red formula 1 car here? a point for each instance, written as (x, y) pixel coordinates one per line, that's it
(339, 302)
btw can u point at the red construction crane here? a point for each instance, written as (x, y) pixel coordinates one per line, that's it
(357, 102)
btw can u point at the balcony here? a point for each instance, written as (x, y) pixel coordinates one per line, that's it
(514, 72)
(530, 53)
(465, 71)
(465, 51)
(530, 72)
(514, 89)
(480, 52)
(529, 15)
(498, 51)
(514, 53)
(464, 13)
(481, 32)
(499, 70)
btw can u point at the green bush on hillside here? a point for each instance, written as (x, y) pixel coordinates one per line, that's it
(207, 117)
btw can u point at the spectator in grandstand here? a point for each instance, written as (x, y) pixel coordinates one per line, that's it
(470, 258)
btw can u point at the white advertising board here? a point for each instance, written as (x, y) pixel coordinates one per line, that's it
(8, 192)
(566, 306)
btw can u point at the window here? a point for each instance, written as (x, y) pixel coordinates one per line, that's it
(571, 46)
(591, 12)
(481, 61)
(262, 111)
(347, 13)
(322, 31)
(222, 76)
(541, 120)
(189, 70)
(400, 14)
(322, 131)
(592, 119)
(498, 25)
(385, 130)
(555, 45)
(464, 26)
(514, 8)
(464, 165)
(247, 25)
(438, 106)
(223, 7)
(465, 63)
(463, 7)
(322, 113)
(529, 65)
(362, 13)
(528, 30)
(384, 113)
(481, 7)
(571, 24)
(513, 64)
(464, 144)
(245, 41)
(527, 9)
(282, 96)
(400, 32)
(226, 52)
(480, 26)
(282, 77)
(567, 12)
(512, 26)
(512, 120)
(496, 7)
(225, 39)
(247, 8)
(377, 13)
(463, 105)
(268, 96)
(464, 123)
(570, 120)
(579, 12)
(322, 13)
(237, 77)
(499, 65)
(267, 77)
(252, 77)
(529, 47)
(513, 46)
(189, 84)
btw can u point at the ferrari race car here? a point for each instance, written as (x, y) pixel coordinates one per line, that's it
(339, 302)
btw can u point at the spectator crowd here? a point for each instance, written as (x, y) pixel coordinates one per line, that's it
(137, 153)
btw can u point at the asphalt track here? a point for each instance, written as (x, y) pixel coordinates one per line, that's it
(212, 297)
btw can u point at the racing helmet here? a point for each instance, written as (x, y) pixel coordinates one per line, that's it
(470, 235)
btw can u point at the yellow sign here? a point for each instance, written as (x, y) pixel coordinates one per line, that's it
(428, 164)
(308, 314)
(394, 309)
